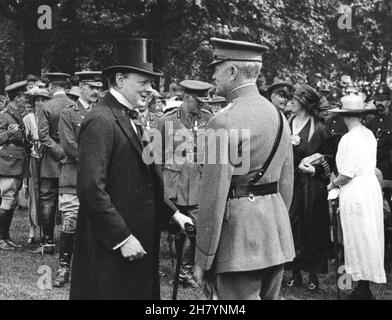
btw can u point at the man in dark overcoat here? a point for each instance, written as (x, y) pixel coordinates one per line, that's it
(122, 206)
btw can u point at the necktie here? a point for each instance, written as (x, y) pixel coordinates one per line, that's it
(134, 115)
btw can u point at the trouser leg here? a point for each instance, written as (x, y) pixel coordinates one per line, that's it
(9, 187)
(271, 282)
(69, 207)
(239, 285)
(3, 224)
(48, 200)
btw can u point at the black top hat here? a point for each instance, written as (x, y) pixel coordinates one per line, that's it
(133, 55)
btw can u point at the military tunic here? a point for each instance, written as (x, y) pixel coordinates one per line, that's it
(181, 171)
(69, 125)
(381, 126)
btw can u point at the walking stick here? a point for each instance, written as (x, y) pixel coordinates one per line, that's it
(190, 231)
(335, 210)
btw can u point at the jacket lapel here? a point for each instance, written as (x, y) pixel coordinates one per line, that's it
(123, 121)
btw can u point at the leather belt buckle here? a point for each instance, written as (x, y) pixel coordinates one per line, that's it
(251, 197)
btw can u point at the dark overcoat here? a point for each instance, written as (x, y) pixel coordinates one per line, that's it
(309, 213)
(48, 130)
(119, 195)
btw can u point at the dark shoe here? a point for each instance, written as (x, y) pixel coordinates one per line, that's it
(62, 277)
(48, 248)
(295, 281)
(313, 286)
(4, 245)
(13, 244)
(313, 282)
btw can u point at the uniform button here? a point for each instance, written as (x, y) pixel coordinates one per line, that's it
(149, 185)
(380, 120)
(150, 202)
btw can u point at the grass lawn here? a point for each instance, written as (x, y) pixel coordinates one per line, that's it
(19, 275)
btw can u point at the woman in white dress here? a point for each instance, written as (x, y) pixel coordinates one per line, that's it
(360, 200)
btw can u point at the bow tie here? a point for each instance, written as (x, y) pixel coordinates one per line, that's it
(132, 113)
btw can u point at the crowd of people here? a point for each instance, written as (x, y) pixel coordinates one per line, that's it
(80, 149)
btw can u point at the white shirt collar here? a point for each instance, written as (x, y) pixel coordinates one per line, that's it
(85, 104)
(120, 98)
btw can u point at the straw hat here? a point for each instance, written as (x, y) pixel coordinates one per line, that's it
(351, 104)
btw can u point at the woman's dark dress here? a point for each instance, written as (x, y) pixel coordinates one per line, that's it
(309, 213)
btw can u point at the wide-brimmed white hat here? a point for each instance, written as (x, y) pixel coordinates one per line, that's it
(351, 104)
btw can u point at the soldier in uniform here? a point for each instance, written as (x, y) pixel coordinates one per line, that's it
(334, 122)
(244, 235)
(381, 126)
(181, 170)
(280, 93)
(71, 118)
(148, 116)
(13, 159)
(52, 155)
(216, 103)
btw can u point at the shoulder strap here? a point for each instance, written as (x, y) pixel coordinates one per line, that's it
(275, 146)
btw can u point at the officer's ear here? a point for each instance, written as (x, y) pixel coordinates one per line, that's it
(233, 72)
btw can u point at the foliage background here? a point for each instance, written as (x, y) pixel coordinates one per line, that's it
(303, 35)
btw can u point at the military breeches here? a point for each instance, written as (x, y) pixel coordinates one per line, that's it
(9, 187)
(261, 284)
(69, 208)
(49, 189)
